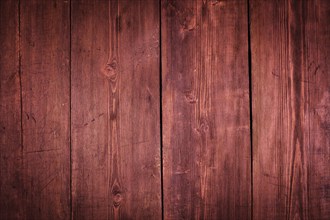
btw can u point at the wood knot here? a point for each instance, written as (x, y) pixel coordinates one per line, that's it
(116, 196)
(203, 126)
(110, 70)
(117, 200)
(323, 111)
(217, 2)
(186, 21)
(190, 97)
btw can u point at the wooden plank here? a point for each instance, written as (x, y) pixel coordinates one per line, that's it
(45, 46)
(11, 187)
(206, 128)
(291, 95)
(115, 109)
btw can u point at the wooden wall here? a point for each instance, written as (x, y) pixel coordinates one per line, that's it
(164, 109)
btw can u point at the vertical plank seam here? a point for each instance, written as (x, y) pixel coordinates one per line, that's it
(250, 103)
(70, 108)
(20, 88)
(161, 110)
(20, 69)
(108, 172)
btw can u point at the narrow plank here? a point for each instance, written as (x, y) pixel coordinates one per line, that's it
(206, 128)
(115, 110)
(11, 187)
(291, 95)
(45, 54)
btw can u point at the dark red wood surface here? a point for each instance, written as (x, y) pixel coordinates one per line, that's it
(11, 178)
(290, 42)
(206, 122)
(45, 85)
(115, 110)
(164, 109)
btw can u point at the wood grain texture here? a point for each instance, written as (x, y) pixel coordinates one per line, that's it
(291, 95)
(45, 54)
(80, 109)
(11, 184)
(115, 110)
(206, 128)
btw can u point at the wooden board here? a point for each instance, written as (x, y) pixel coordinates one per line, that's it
(291, 98)
(11, 185)
(206, 132)
(82, 96)
(45, 70)
(115, 110)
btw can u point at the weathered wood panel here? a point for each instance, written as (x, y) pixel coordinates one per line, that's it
(206, 121)
(291, 98)
(115, 110)
(45, 70)
(11, 185)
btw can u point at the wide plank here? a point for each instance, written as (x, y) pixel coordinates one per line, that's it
(45, 59)
(11, 182)
(206, 122)
(290, 43)
(115, 110)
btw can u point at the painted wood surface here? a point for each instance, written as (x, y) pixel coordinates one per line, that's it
(290, 42)
(115, 110)
(206, 132)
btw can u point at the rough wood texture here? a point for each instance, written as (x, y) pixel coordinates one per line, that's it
(80, 109)
(11, 187)
(115, 110)
(206, 128)
(45, 55)
(291, 99)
